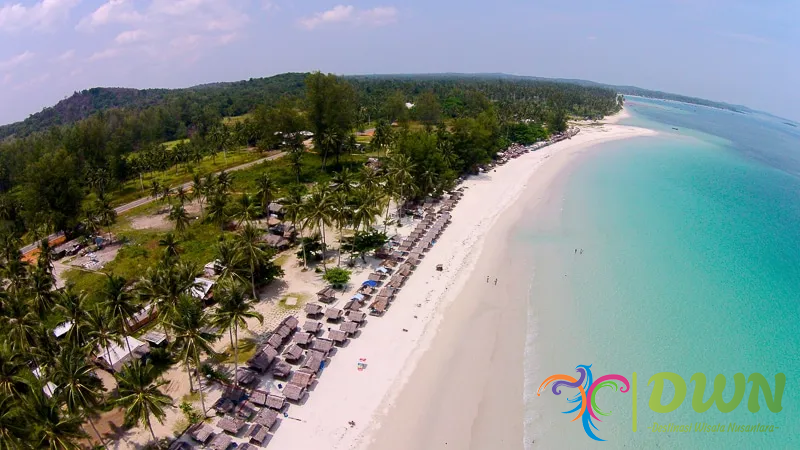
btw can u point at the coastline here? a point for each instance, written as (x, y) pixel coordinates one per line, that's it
(437, 368)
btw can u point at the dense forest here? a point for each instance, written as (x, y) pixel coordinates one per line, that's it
(46, 176)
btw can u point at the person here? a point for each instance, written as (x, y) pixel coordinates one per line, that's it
(495, 281)
(487, 278)
(581, 251)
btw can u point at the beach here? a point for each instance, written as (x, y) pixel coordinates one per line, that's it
(444, 365)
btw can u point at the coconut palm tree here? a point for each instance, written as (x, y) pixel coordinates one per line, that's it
(317, 213)
(218, 209)
(13, 381)
(164, 284)
(78, 388)
(41, 295)
(233, 310)
(293, 207)
(105, 213)
(401, 180)
(198, 191)
(254, 252)
(155, 189)
(191, 337)
(340, 215)
(73, 306)
(265, 193)
(181, 195)
(121, 304)
(19, 324)
(50, 426)
(224, 182)
(171, 245)
(139, 394)
(102, 331)
(11, 423)
(45, 259)
(230, 258)
(246, 209)
(179, 215)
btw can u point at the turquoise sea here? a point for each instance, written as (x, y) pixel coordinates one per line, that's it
(690, 263)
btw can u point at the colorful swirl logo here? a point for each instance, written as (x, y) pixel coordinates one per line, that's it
(585, 398)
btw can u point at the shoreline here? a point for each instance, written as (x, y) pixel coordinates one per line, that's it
(406, 350)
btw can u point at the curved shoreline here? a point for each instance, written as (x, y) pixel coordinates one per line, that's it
(404, 348)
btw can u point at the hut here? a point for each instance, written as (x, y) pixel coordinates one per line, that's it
(291, 322)
(275, 340)
(349, 327)
(142, 317)
(313, 309)
(246, 410)
(281, 369)
(293, 352)
(245, 376)
(387, 292)
(376, 276)
(378, 307)
(415, 255)
(312, 326)
(353, 305)
(405, 270)
(313, 361)
(356, 316)
(257, 434)
(234, 394)
(258, 397)
(294, 392)
(201, 432)
(338, 336)
(302, 338)
(322, 345)
(333, 314)
(326, 295)
(180, 445)
(283, 331)
(223, 405)
(396, 282)
(412, 262)
(276, 241)
(388, 263)
(203, 289)
(275, 401)
(262, 359)
(275, 208)
(230, 424)
(116, 356)
(303, 377)
(155, 339)
(220, 442)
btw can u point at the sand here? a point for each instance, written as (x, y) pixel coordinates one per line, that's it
(444, 365)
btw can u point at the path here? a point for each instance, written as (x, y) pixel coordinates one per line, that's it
(145, 200)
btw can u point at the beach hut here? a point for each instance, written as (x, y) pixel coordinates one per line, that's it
(413, 262)
(223, 405)
(275, 340)
(388, 291)
(245, 376)
(312, 326)
(396, 282)
(353, 305)
(257, 434)
(258, 397)
(322, 345)
(246, 410)
(294, 392)
(388, 264)
(116, 356)
(261, 360)
(291, 322)
(366, 290)
(283, 331)
(327, 295)
(155, 339)
(302, 338)
(383, 270)
(355, 316)
(203, 289)
(405, 271)
(313, 360)
(313, 309)
(281, 369)
(220, 442)
(201, 432)
(267, 417)
(275, 401)
(415, 255)
(349, 327)
(397, 255)
(378, 307)
(293, 352)
(231, 424)
(333, 314)
(180, 445)
(142, 317)
(303, 377)
(275, 241)
(337, 336)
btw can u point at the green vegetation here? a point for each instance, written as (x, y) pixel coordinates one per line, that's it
(337, 276)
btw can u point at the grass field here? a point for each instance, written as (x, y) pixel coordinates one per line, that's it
(235, 119)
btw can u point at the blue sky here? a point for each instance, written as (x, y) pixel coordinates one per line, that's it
(735, 51)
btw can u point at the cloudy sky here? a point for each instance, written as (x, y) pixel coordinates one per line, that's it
(730, 50)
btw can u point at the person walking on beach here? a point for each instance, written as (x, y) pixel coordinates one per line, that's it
(581, 251)
(495, 281)
(487, 278)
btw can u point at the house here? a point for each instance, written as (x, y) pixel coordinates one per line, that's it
(116, 356)
(276, 209)
(276, 241)
(326, 295)
(62, 329)
(142, 317)
(212, 269)
(202, 290)
(155, 338)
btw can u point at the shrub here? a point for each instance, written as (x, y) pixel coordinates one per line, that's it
(337, 276)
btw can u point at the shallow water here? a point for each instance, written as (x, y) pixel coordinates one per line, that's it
(690, 264)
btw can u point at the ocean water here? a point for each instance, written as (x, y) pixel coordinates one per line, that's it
(690, 263)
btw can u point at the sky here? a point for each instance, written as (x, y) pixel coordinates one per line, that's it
(737, 51)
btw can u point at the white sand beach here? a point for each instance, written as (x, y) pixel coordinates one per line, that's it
(444, 364)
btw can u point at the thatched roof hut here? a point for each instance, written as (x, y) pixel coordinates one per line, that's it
(257, 434)
(294, 392)
(291, 322)
(233, 393)
(293, 352)
(258, 397)
(261, 360)
(396, 282)
(337, 336)
(281, 369)
(405, 271)
(312, 326)
(230, 424)
(313, 309)
(379, 306)
(322, 345)
(220, 442)
(313, 360)
(333, 314)
(326, 295)
(415, 255)
(201, 432)
(275, 401)
(356, 316)
(388, 291)
(413, 262)
(388, 263)
(180, 445)
(246, 410)
(223, 405)
(303, 377)
(283, 331)
(349, 327)
(245, 376)
(376, 276)
(353, 305)
(302, 338)
(275, 340)
(267, 417)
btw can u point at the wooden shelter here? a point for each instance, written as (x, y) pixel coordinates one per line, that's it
(258, 397)
(230, 424)
(258, 434)
(313, 309)
(283, 331)
(338, 336)
(376, 276)
(312, 326)
(349, 327)
(326, 295)
(303, 377)
(275, 401)
(262, 359)
(245, 376)
(322, 345)
(281, 369)
(293, 352)
(294, 392)
(267, 417)
(378, 307)
(275, 340)
(355, 316)
(246, 410)
(333, 314)
(302, 338)
(291, 322)
(201, 432)
(313, 361)
(220, 442)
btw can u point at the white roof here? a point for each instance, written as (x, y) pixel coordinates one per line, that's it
(203, 285)
(409, 105)
(119, 353)
(62, 329)
(49, 389)
(212, 265)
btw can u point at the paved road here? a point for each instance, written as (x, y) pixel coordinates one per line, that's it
(145, 200)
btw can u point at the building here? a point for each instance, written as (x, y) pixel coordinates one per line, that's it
(116, 356)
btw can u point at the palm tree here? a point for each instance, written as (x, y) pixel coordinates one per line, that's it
(120, 303)
(340, 215)
(218, 210)
(401, 179)
(179, 215)
(171, 245)
(254, 253)
(198, 191)
(266, 188)
(19, 324)
(163, 286)
(11, 428)
(73, 306)
(181, 195)
(102, 331)
(155, 189)
(293, 206)
(233, 310)
(317, 212)
(105, 213)
(45, 258)
(13, 382)
(224, 182)
(139, 394)
(189, 326)
(246, 209)
(78, 388)
(41, 283)
(50, 426)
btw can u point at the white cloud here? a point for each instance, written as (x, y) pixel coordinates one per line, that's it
(130, 37)
(66, 56)
(104, 54)
(16, 60)
(41, 15)
(115, 11)
(379, 16)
